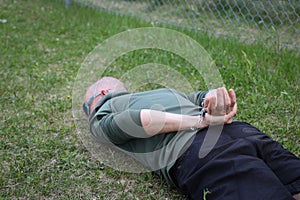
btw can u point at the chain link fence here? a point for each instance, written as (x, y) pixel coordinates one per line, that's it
(274, 22)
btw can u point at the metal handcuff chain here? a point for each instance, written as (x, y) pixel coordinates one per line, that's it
(202, 114)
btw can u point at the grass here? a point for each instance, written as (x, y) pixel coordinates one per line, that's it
(42, 46)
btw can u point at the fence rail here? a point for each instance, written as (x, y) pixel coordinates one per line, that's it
(275, 22)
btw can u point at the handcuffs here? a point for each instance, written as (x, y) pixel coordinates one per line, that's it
(202, 113)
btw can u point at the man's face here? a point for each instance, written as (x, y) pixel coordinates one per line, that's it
(91, 102)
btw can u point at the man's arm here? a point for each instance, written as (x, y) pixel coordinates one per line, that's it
(158, 122)
(220, 105)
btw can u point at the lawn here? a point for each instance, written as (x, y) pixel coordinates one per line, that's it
(42, 47)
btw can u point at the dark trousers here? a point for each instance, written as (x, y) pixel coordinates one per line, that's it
(244, 164)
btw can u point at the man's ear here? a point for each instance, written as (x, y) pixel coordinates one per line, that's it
(104, 92)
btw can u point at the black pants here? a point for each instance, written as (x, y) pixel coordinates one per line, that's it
(244, 164)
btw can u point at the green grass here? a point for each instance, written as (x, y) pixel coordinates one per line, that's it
(42, 46)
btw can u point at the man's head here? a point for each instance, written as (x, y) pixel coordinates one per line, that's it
(98, 89)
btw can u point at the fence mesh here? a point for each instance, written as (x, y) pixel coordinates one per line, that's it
(275, 22)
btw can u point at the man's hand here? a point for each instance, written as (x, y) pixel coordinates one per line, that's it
(221, 106)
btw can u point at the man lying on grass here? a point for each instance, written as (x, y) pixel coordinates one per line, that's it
(165, 130)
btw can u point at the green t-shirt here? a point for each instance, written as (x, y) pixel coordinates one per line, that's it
(116, 120)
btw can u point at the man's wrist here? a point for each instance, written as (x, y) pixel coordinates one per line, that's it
(199, 124)
(202, 113)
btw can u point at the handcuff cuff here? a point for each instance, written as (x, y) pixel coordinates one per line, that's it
(202, 113)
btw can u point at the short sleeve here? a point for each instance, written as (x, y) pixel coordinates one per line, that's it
(119, 128)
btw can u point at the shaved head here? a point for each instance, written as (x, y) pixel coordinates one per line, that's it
(104, 85)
